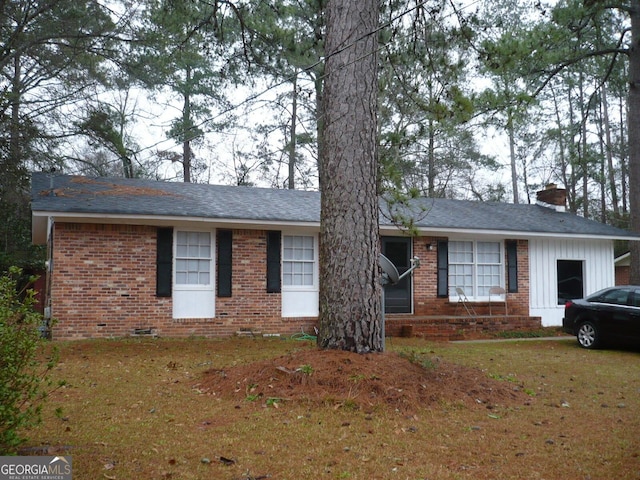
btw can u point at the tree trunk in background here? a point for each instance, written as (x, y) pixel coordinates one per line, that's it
(350, 290)
(11, 162)
(611, 177)
(634, 139)
(583, 156)
(512, 156)
(292, 135)
(186, 130)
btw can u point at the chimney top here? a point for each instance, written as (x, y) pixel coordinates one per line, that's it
(552, 197)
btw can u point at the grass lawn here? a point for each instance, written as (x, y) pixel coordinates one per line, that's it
(225, 409)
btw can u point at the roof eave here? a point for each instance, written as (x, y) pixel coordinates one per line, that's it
(514, 234)
(40, 222)
(40, 218)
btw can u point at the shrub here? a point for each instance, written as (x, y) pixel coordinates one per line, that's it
(24, 376)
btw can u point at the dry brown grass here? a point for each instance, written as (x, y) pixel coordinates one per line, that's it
(163, 409)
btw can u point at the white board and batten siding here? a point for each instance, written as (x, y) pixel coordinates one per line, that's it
(598, 272)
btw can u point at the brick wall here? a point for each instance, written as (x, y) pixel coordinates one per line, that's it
(623, 274)
(250, 307)
(426, 301)
(104, 279)
(457, 327)
(440, 318)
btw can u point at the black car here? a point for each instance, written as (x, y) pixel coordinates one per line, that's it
(610, 314)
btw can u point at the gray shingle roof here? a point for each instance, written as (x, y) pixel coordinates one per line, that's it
(139, 197)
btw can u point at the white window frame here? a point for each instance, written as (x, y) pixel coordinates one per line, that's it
(176, 258)
(315, 275)
(471, 291)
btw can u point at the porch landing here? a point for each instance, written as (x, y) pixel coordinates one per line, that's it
(458, 327)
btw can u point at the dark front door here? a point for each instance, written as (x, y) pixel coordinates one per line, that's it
(397, 298)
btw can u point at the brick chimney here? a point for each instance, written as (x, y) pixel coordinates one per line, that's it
(552, 197)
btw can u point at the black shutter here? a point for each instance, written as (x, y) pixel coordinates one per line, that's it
(224, 244)
(164, 262)
(443, 269)
(273, 261)
(512, 266)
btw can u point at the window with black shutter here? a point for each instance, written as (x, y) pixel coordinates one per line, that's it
(274, 239)
(512, 266)
(164, 261)
(224, 262)
(443, 269)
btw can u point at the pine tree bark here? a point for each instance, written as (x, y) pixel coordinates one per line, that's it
(350, 291)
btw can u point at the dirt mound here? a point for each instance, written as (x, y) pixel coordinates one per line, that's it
(406, 383)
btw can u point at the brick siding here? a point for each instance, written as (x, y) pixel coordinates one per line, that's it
(103, 284)
(623, 275)
(103, 281)
(426, 301)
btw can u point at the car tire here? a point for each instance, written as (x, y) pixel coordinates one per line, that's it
(588, 335)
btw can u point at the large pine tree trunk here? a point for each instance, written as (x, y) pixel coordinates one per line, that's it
(350, 306)
(634, 139)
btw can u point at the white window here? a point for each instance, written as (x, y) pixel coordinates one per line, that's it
(475, 267)
(193, 258)
(298, 261)
(299, 275)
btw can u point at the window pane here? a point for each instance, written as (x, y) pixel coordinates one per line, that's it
(488, 252)
(298, 260)
(461, 276)
(204, 266)
(193, 258)
(488, 276)
(460, 252)
(474, 267)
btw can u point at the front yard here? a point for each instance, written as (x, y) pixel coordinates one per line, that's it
(247, 408)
